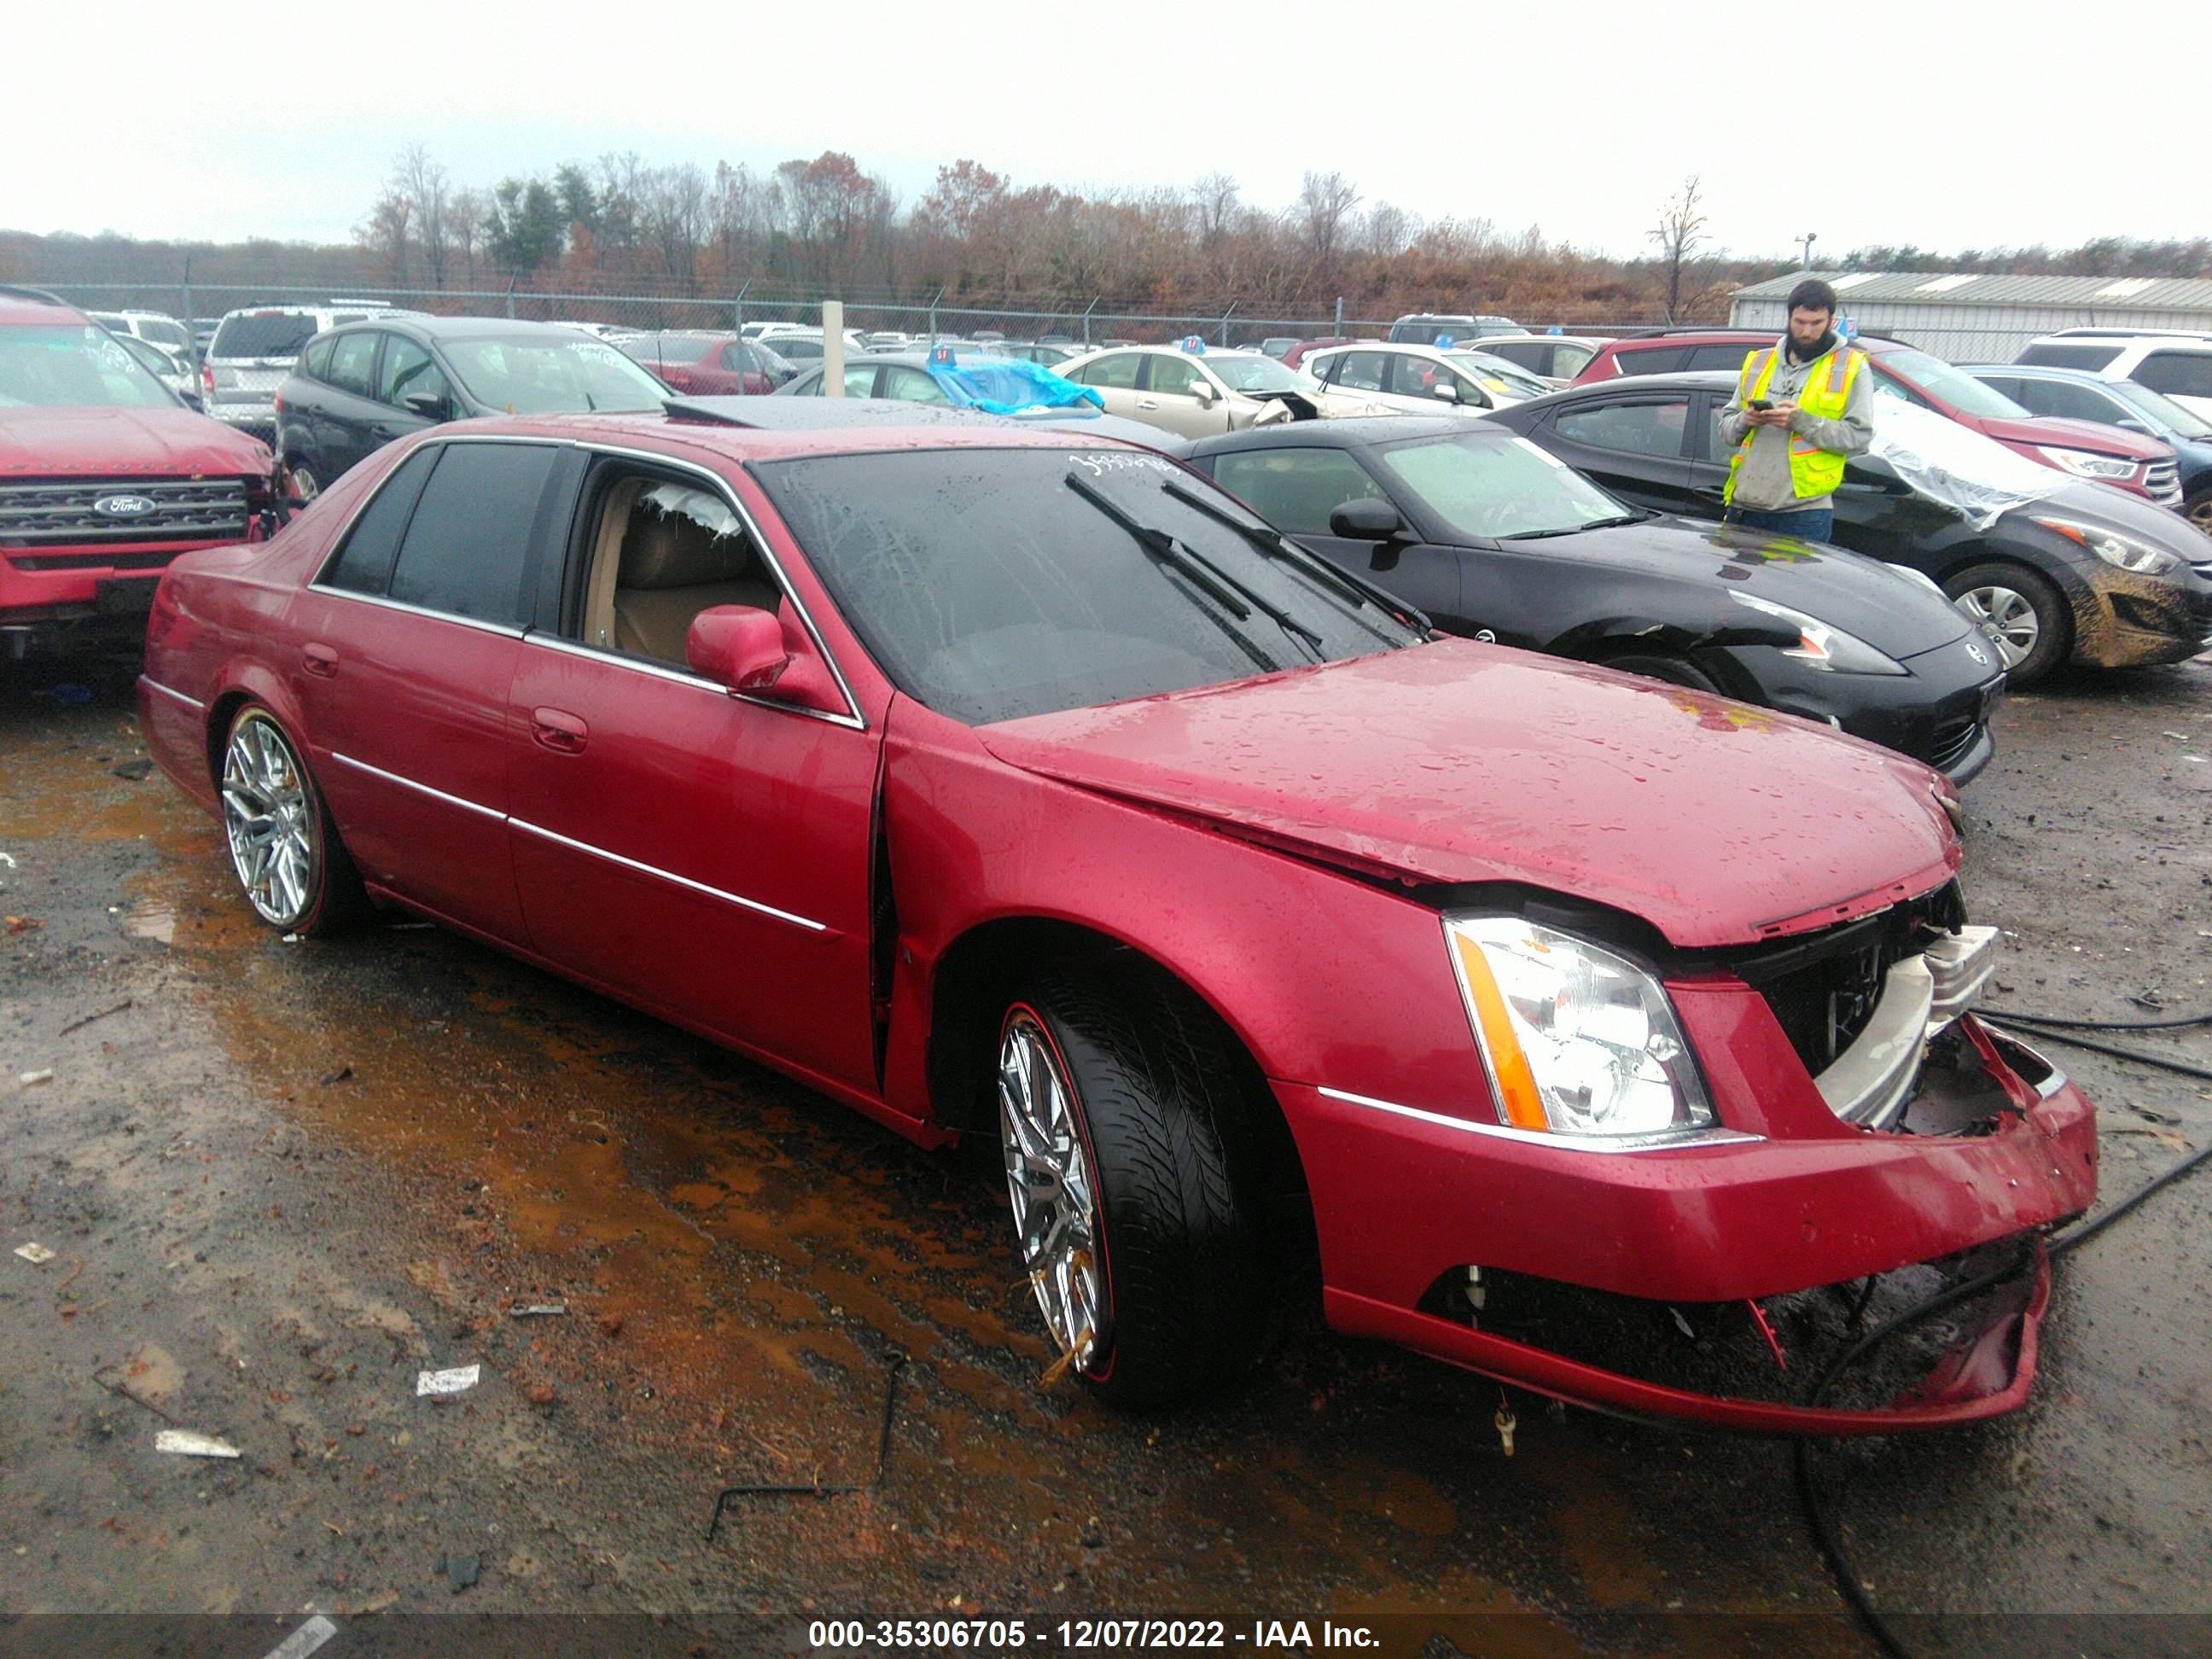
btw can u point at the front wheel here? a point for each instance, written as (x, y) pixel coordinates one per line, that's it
(1122, 1132)
(305, 484)
(1676, 671)
(2019, 613)
(283, 845)
(2198, 509)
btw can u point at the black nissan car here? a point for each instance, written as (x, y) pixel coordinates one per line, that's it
(357, 387)
(1492, 536)
(2053, 569)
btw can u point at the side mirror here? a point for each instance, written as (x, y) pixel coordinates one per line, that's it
(1203, 390)
(1447, 390)
(1370, 518)
(430, 405)
(760, 654)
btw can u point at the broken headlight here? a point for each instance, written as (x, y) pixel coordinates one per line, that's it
(1577, 1040)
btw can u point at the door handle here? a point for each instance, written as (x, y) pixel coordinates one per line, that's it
(1147, 402)
(320, 660)
(383, 431)
(558, 730)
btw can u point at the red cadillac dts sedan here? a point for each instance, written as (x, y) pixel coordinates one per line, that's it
(997, 782)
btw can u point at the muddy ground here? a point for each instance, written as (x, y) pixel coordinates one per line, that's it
(280, 1179)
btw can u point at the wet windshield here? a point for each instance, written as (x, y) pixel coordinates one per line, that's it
(74, 365)
(1951, 386)
(1497, 489)
(1248, 371)
(2169, 415)
(540, 375)
(991, 584)
(1499, 375)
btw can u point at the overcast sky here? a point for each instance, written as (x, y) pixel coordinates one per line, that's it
(1944, 124)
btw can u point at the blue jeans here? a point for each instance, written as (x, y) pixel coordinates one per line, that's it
(1814, 524)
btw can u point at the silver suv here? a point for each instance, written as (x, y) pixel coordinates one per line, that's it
(253, 350)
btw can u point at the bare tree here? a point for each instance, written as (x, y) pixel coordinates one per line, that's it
(423, 184)
(1325, 202)
(1679, 233)
(1215, 197)
(385, 233)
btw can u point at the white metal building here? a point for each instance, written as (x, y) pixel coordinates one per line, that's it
(1972, 318)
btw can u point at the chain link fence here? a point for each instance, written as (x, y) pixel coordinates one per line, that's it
(1094, 321)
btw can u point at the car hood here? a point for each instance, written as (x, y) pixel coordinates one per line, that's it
(2059, 432)
(124, 443)
(1893, 613)
(1454, 762)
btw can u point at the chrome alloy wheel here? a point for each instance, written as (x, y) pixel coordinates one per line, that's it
(1049, 1178)
(2006, 618)
(269, 820)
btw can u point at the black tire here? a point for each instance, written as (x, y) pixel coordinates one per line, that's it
(2198, 509)
(316, 891)
(1676, 671)
(1983, 593)
(1187, 1300)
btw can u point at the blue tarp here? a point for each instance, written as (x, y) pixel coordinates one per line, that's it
(1005, 385)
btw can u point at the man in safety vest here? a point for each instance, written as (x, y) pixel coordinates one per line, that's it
(1800, 407)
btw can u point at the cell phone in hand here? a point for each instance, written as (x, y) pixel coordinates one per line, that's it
(1759, 403)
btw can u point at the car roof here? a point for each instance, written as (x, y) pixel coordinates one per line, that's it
(763, 429)
(463, 328)
(1350, 432)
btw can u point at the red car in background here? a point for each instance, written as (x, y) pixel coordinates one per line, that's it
(104, 476)
(993, 783)
(2142, 465)
(708, 365)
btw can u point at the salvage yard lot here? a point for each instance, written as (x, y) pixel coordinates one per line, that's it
(281, 1179)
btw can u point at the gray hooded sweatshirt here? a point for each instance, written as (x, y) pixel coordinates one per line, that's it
(1762, 482)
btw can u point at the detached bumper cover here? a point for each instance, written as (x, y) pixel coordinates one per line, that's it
(1789, 1198)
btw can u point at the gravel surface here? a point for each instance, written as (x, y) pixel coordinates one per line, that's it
(280, 1180)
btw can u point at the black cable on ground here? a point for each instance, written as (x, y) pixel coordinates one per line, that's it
(2098, 1025)
(2136, 1055)
(1832, 1550)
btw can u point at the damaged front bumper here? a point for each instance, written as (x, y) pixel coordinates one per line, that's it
(1864, 1183)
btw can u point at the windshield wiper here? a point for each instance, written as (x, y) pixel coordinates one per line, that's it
(1574, 529)
(1165, 550)
(1274, 544)
(1248, 600)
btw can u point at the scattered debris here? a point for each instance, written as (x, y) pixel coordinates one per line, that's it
(343, 1075)
(135, 1398)
(31, 1080)
(132, 771)
(185, 1443)
(23, 924)
(816, 1488)
(539, 1310)
(36, 1254)
(79, 1024)
(459, 1380)
(460, 1571)
(292, 938)
(8, 858)
(305, 1639)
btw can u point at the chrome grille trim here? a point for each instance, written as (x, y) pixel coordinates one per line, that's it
(59, 513)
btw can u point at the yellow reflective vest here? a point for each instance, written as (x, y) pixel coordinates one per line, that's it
(1814, 471)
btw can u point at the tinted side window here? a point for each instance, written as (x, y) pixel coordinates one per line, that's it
(1653, 360)
(1295, 489)
(2182, 374)
(1118, 370)
(1730, 357)
(316, 359)
(408, 369)
(1535, 355)
(364, 563)
(467, 547)
(2080, 403)
(1652, 428)
(353, 361)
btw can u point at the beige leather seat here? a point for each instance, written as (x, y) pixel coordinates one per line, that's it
(674, 567)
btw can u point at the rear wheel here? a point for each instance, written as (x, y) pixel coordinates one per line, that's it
(1125, 1146)
(2019, 613)
(305, 484)
(283, 845)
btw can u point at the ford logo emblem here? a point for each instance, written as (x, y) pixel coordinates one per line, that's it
(123, 507)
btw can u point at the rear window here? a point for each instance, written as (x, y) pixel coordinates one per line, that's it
(264, 336)
(2177, 374)
(1654, 360)
(2070, 357)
